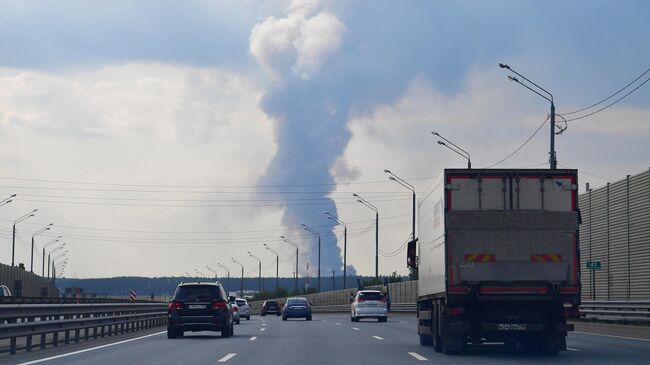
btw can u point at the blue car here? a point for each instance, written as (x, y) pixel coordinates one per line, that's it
(296, 308)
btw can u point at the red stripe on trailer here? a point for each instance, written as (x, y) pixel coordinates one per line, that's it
(513, 289)
(569, 289)
(575, 258)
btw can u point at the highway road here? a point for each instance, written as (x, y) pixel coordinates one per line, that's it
(328, 339)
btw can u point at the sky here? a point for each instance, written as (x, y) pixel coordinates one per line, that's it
(163, 138)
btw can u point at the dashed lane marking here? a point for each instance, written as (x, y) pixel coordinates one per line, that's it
(355, 328)
(263, 324)
(418, 356)
(262, 329)
(253, 338)
(377, 337)
(338, 324)
(227, 357)
(90, 349)
(570, 349)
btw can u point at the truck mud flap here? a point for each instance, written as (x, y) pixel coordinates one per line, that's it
(424, 315)
(425, 330)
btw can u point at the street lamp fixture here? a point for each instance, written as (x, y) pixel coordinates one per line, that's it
(13, 240)
(374, 208)
(46, 245)
(277, 268)
(46, 228)
(345, 244)
(452, 146)
(241, 285)
(295, 280)
(7, 200)
(540, 91)
(405, 184)
(259, 270)
(313, 232)
(228, 274)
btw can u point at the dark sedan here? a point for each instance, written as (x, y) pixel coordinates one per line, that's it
(297, 308)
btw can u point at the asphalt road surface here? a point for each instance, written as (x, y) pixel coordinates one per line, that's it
(328, 339)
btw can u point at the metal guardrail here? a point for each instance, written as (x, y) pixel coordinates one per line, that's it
(28, 320)
(616, 311)
(59, 300)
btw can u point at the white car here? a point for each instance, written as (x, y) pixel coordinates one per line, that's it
(235, 310)
(244, 309)
(369, 304)
(4, 291)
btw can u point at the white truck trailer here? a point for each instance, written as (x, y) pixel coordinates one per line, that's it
(498, 259)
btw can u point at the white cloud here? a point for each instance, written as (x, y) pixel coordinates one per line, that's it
(299, 42)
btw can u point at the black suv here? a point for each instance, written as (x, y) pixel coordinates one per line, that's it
(271, 306)
(199, 307)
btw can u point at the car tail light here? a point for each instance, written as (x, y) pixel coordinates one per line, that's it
(235, 309)
(360, 300)
(455, 311)
(175, 305)
(382, 299)
(219, 304)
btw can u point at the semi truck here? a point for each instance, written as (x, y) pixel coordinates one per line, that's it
(498, 259)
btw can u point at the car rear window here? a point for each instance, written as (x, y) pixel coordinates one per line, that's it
(271, 303)
(197, 292)
(297, 302)
(371, 296)
(241, 302)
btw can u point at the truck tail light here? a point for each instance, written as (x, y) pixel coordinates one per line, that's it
(175, 306)
(455, 311)
(219, 304)
(571, 313)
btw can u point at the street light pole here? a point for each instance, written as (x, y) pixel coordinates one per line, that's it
(277, 268)
(345, 245)
(7, 200)
(50, 260)
(228, 274)
(259, 270)
(44, 246)
(46, 228)
(405, 184)
(13, 240)
(210, 269)
(552, 156)
(367, 204)
(241, 285)
(310, 230)
(295, 279)
(455, 148)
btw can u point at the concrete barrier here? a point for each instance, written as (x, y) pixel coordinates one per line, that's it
(23, 283)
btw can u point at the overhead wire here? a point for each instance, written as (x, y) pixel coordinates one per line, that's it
(607, 98)
(522, 145)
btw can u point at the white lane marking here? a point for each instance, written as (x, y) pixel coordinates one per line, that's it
(403, 323)
(622, 337)
(377, 337)
(227, 357)
(253, 338)
(570, 349)
(90, 349)
(355, 328)
(338, 324)
(418, 356)
(324, 320)
(262, 329)
(263, 324)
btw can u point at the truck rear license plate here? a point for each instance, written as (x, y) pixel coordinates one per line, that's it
(196, 306)
(511, 326)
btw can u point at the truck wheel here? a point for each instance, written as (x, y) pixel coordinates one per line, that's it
(453, 345)
(426, 340)
(171, 333)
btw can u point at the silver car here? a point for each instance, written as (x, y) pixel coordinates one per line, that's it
(244, 309)
(369, 304)
(235, 310)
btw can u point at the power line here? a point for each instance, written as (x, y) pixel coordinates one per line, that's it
(607, 98)
(610, 104)
(522, 145)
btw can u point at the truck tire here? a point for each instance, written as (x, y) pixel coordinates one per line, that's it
(426, 340)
